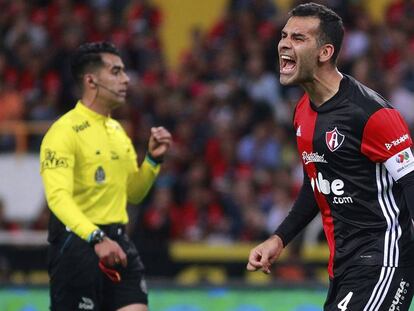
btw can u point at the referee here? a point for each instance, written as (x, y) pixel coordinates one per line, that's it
(89, 171)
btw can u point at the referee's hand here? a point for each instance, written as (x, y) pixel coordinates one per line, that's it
(262, 256)
(159, 142)
(110, 253)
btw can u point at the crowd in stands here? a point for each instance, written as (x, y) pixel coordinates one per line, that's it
(233, 171)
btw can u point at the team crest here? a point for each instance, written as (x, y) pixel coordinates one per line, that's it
(334, 139)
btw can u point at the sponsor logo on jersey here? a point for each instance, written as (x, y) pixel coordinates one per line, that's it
(397, 141)
(399, 296)
(402, 157)
(99, 175)
(81, 127)
(299, 132)
(400, 164)
(86, 304)
(336, 187)
(52, 161)
(313, 157)
(334, 139)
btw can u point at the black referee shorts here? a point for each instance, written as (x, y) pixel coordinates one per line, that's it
(371, 288)
(77, 283)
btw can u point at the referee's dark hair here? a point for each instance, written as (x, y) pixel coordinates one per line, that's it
(331, 28)
(88, 57)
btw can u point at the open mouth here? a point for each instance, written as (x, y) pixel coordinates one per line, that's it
(287, 64)
(122, 93)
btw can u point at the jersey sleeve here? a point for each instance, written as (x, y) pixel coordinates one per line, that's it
(303, 211)
(141, 178)
(57, 162)
(385, 134)
(387, 140)
(407, 185)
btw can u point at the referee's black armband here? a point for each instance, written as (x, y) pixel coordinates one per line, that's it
(303, 211)
(154, 161)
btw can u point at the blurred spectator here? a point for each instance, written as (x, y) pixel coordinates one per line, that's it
(12, 102)
(200, 217)
(263, 87)
(399, 96)
(42, 220)
(12, 105)
(260, 149)
(281, 204)
(157, 222)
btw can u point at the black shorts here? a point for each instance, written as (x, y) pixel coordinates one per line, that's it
(371, 288)
(77, 283)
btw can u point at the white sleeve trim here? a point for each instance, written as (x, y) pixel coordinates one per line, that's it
(400, 164)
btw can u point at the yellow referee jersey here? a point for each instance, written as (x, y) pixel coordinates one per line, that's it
(89, 170)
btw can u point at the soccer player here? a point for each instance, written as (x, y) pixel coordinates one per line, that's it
(89, 170)
(358, 172)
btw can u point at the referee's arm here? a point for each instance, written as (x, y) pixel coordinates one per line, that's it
(141, 179)
(57, 161)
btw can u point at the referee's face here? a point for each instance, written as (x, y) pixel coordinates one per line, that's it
(298, 50)
(112, 81)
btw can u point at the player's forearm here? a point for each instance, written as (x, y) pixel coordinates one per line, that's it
(140, 182)
(407, 185)
(303, 211)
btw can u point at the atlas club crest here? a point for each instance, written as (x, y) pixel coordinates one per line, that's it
(334, 139)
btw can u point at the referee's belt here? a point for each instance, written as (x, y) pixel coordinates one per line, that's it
(113, 230)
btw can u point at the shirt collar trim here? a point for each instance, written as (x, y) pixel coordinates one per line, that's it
(89, 112)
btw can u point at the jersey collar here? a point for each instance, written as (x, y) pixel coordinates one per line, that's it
(336, 99)
(80, 107)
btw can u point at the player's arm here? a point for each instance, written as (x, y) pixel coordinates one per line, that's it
(303, 211)
(407, 184)
(401, 168)
(57, 162)
(387, 140)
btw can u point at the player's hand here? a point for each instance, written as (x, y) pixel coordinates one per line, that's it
(159, 142)
(110, 253)
(262, 256)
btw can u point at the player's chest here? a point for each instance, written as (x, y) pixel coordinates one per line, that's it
(327, 137)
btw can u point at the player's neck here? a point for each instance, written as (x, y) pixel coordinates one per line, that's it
(324, 86)
(96, 105)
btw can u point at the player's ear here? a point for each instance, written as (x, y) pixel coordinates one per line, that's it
(90, 81)
(326, 52)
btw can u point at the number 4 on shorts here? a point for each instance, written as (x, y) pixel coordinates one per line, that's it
(342, 305)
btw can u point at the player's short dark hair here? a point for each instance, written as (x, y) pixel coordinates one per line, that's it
(331, 28)
(88, 57)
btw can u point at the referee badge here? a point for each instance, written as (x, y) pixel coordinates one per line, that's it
(99, 175)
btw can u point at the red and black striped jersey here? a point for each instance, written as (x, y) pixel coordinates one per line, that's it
(344, 145)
